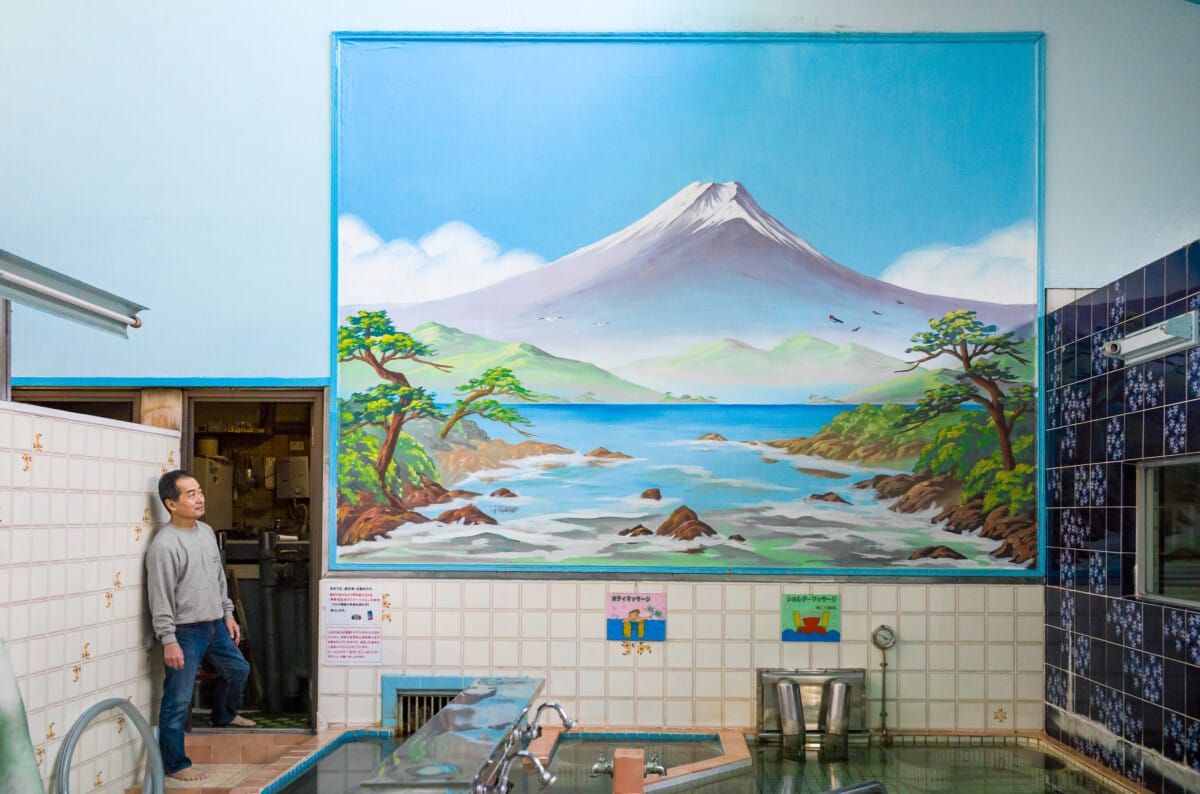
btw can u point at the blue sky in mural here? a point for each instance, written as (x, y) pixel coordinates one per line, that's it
(866, 148)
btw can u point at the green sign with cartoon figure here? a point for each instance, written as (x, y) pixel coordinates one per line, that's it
(811, 618)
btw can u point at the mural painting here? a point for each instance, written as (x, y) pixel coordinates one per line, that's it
(703, 304)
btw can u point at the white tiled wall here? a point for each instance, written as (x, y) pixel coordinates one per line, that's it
(968, 658)
(77, 505)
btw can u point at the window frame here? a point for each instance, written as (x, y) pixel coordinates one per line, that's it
(1145, 567)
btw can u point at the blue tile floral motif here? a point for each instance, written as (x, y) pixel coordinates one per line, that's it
(1131, 722)
(1134, 670)
(1133, 624)
(1068, 444)
(1108, 708)
(1066, 566)
(1193, 637)
(1193, 371)
(1066, 610)
(1142, 390)
(1074, 532)
(1114, 615)
(1193, 744)
(1074, 406)
(1174, 631)
(1174, 737)
(1101, 361)
(1152, 679)
(1176, 430)
(1054, 487)
(1114, 439)
(1116, 309)
(1056, 687)
(1090, 486)
(1134, 765)
(1097, 573)
(1081, 655)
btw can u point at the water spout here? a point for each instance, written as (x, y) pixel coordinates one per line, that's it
(544, 777)
(603, 766)
(533, 728)
(834, 744)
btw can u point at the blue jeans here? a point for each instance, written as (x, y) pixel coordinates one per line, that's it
(211, 641)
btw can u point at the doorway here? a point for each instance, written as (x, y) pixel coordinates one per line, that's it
(258, 456)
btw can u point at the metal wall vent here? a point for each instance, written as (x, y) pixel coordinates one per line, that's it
(415, 707)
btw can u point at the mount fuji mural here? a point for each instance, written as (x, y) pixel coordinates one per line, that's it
(655, 315)
(709, 268)
(555, 352)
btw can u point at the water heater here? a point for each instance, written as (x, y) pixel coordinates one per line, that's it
(291, 477)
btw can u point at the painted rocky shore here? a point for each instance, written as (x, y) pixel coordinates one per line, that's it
(1017, 536)
(458, 457)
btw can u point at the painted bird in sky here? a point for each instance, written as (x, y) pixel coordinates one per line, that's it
(875, 312)
(855, 328)
(836, 320)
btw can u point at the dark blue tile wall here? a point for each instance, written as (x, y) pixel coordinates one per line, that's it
(1118, 667)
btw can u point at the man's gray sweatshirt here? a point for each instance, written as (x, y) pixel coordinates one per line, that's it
(185, 579)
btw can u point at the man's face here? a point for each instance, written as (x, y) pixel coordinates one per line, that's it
(190, 504)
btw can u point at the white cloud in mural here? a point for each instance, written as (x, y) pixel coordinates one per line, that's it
(452, 259)
(1000, 268)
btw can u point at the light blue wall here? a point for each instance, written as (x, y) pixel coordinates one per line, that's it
(178, 153)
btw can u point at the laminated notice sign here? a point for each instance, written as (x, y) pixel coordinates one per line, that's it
(811, 618)
(353, 624)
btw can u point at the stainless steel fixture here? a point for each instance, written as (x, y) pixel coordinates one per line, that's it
(603, 766)
(544, 777)
(837, 721)
(813, 698)
(533, 728)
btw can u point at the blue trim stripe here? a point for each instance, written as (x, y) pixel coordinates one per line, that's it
(1043, 514)
(277, 786)
(674, 37)
(330, 540)
(551, 570)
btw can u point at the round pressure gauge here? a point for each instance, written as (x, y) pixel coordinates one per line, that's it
(884, 636)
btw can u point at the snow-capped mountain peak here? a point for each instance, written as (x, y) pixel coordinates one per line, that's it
(705, 205)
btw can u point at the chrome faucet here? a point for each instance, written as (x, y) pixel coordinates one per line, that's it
(533, 728)
(544, 776)
(655, 767)
(567, 722)
(602, 766)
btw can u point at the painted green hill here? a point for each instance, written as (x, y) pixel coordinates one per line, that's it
(565, 380)
(793, 371)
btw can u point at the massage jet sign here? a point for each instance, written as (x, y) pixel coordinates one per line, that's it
(811, 618)
(636, 618)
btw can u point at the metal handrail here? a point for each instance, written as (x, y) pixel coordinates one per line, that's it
(153, 780)
(870, 787)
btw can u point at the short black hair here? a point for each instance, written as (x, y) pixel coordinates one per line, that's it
(168, 485)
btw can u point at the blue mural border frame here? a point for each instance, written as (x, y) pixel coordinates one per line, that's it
(339, 38)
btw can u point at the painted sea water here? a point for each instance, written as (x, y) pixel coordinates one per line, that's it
(570, 509)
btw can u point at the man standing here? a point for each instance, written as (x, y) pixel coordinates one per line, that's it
(193, 618)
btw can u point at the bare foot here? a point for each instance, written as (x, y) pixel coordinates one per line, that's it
(242, 722)
(189, 773)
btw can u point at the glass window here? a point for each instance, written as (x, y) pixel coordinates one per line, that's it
(1169, 531)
